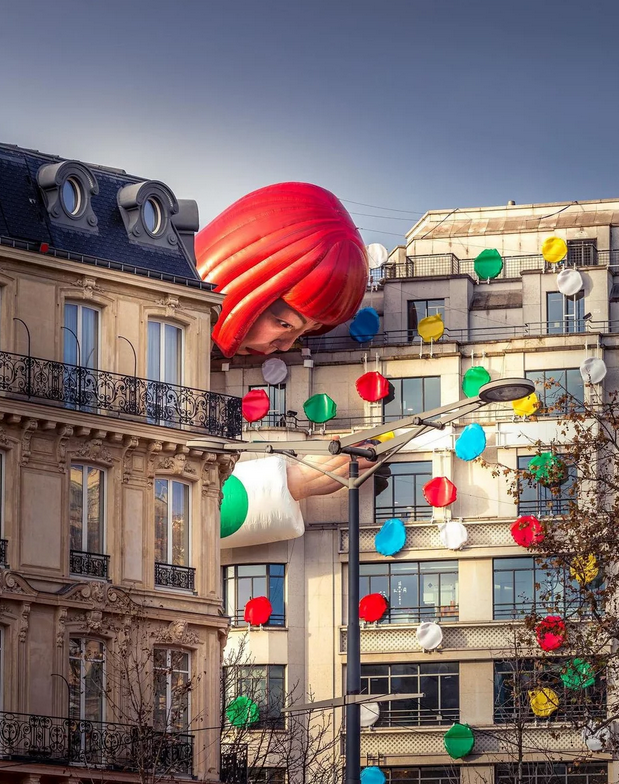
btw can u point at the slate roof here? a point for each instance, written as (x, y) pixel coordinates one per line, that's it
(23, 217)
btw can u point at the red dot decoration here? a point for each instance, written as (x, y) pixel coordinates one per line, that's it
(527, 531)
(372, 386)
(440, 491)
(372, 607)
(550, 632)
(258, 611)
(255, 405)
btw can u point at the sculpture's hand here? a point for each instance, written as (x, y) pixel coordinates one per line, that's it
(305, 481)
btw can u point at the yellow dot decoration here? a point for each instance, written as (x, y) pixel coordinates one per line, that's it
(584, 568)
(544, 702)
(554, 249)
(526, 406)
(431, 328)
(385, 437)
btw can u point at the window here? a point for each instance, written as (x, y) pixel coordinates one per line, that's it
(266, 776)
(86, 679)
(437, 681)
(264, 685)
(277, 404)
(244, 582)
(537, 499)
(565, 314)
(581, 253)
(165, 353)
(171, 690)
(560, 390)
(420, 308)
(72, 196)
(552, 773)
(87, 521)
(416, 590)
(171, 522)
(422, 775)
(522, 585)
(409, 396)
(514, 678)
(403, 495)
(81, 336)
(153, 216)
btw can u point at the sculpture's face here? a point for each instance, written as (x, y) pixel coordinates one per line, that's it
(276, 329)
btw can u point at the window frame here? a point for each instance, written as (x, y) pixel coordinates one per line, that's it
(398, 391)
(69, 338)
(169, 532)
(560, 388)
(546, 503)
(162, 355)
(102, 507)
(103, 702)
(425, 774)
(539, 773)
(169, 672)
(233, 677)
(569, 323)
(430, 310)
(273, 418)
(420, 511)
(232, 580)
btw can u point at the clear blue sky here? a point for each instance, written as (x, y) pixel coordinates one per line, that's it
(398, 103)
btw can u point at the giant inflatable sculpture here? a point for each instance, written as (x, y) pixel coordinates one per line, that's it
(290, 261)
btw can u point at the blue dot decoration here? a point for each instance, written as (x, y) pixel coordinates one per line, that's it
(391, 537)
(372, 775)
(365, 325)
(471, 443)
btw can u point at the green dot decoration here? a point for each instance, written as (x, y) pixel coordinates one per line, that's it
(578, 675)
(233, 507)
(320, 408)
(242, 711)
(459, 741)
(474, 379)
(488, 264)
(548, 469)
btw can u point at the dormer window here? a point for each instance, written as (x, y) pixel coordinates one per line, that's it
(152, 216)
(148, 209)
(67, 188)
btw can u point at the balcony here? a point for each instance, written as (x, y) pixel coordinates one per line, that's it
(4, 547)
(172, 576)
(119, 747)
(408, 513)
(233, 767)
(89, 564)
(125, 397)
(417, 717)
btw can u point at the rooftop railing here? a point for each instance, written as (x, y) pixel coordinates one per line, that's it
(112, 394)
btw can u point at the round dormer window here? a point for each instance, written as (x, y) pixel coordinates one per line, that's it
(72, 196)
(153, 216)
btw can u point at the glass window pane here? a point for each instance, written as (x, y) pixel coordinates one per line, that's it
(180, 524)
(154, 350)
(90, 337)
(76, 510)
(161, 520)
(172, 355)
(69, 340)
(95, 510)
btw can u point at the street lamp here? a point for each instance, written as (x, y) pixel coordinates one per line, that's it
(501, 391)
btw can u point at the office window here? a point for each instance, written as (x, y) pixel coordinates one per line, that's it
(86, 679)
(172, 522)
(438, 681)
(514, 678)
(565, 314)
(420, 308)
(277, 404)
(409, 396)
(264, 685)
(246, 581)
(422, 775)
(81, 336)
(523, 585)
(559, 390)
(403, 494)
(171, 690)
(165, 353)
(552, 773)
(541, 501)
(416, 590)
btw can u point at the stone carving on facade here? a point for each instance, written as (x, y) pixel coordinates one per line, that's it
(24, 621)
(170, 303)
(12, 582)
(127, 457)
(88, 285)
(4, 439)
(26, 439)
(177, 464)
(64, 434)
(177, 633)
(61, 621)
(95, 451)
(151, 460)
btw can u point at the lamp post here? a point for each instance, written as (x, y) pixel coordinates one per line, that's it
(501, 391)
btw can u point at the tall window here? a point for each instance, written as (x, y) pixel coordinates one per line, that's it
(264, 685)
(81, 344)
(552, 773)
(420, 308)
(277, 404)
(171, 522)
(171, 692)
(165, 347)
(86, 679)
(537, 499)
(409, 396)
(86, 512)
(437, 681)
(565, 314)
(245, 582)
(416, 590)
(522, 585)
(403, 495)
(560, 390)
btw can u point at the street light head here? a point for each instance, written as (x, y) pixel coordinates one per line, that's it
(506, 389)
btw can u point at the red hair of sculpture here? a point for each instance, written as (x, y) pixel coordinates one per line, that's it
(291, 241)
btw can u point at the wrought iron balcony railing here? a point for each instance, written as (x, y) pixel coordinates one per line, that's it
(4, 545)
(89, 564)
(233, 767)
(120, 747)
(127, 397)
(173, 576)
